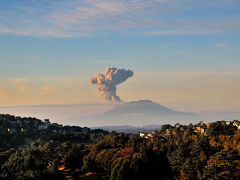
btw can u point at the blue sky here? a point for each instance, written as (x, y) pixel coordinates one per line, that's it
(47, 44)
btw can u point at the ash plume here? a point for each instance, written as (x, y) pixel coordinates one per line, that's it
(107, 82)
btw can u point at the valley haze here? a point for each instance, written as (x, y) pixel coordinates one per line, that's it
(135, 113)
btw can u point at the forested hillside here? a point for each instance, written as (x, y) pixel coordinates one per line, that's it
(201, 151)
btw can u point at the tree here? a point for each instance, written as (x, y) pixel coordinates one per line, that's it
(124, 172)
(223, 165)
(114, 173)
(220, 128)
(137, 166)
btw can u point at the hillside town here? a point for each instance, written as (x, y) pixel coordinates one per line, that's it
(200, 128)
(16, 124)
(18, 132)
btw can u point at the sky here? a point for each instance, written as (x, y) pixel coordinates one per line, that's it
(184, 53)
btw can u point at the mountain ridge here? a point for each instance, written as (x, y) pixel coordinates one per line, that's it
(138, 113)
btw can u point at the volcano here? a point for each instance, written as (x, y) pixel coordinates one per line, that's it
(142, 107)
(138, 113)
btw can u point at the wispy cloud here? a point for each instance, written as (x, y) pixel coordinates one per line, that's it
(221, 44)
(167, 45)
(112, 61)
(90, 17)
(4, 46)
(20, 80)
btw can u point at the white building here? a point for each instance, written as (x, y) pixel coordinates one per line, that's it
(149, 135)
(141, 134)
(11, 130)
(42, 126)
(237, 124)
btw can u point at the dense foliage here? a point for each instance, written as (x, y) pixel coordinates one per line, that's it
(175, 152)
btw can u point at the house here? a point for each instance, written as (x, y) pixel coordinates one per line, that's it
(19, 121)
(11, 130)
(167, 132)
(177, 125)
(47, 122)
(209, 124)
(141, 134)
(26, 121)
(55, 124)
(85, 130)
(35, 123)
(236, 123)
(42, 127)
(99, 134)
(74, 131)
(60, 130)
(14, 122)
(149, 135)
(228, 123)
(199, 129)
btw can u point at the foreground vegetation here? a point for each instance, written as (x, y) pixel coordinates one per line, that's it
(175, 152)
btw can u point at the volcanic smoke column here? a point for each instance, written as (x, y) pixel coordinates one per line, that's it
(107, 82)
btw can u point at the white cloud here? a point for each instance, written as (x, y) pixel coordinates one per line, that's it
(89, 17)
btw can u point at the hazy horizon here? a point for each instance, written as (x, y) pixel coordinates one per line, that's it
(133, 89)
(73, 114)
(181, 54)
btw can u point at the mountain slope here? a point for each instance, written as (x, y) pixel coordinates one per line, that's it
(142, 107)
(138, 113)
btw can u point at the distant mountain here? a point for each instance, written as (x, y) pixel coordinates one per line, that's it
(130, 129)
(62, 113)
(141, 108)
(210, 116)
(138, 113)
(135, 113)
